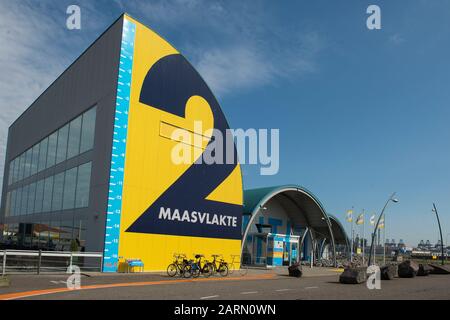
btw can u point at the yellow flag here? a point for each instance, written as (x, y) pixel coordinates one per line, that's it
(360, 219)
(381, 224)
(350, 216)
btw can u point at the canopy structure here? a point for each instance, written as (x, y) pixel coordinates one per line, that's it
(288, 210)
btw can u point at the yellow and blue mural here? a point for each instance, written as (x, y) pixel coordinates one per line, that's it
(157, 207)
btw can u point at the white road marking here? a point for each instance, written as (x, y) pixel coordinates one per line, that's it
(281, 290)
(209, 297)
(249, 292)
(311, 288)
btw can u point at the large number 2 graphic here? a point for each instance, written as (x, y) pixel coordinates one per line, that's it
(168, 85)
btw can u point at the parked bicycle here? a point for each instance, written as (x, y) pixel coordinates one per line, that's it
(195, 267)
(219, 266)
(235, 265)
(177, 266)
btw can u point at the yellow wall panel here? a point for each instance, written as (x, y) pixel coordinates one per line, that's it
(150, 170)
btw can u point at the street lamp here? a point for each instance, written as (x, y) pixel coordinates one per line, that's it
(395, 200)
(440, 231)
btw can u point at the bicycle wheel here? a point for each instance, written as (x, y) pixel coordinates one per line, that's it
(223, 270)
(231, 268)
(172, 270)
(207, 270)
(187, 271)
(212, 268)
(195, 271)
(243, 270)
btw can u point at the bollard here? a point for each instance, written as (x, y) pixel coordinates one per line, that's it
(4, 263)
(4, 281)
(39, 262)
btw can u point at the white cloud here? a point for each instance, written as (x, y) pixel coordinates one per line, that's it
(238, 48)
(396, 39)
(230, 43)
(35, 49)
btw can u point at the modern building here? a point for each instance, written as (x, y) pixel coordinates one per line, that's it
(90, 166)
(284, 224)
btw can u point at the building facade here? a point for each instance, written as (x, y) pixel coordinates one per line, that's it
(89, 165)
(94, 165)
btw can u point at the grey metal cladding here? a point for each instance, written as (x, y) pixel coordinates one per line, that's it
(90, 80)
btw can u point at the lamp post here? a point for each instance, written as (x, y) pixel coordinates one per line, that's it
(440, 231)
(391, 198)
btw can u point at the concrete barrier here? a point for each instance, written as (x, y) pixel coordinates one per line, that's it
(4, 281)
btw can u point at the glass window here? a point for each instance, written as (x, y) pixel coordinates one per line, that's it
(53, 240)
(79, 232)
(14, 174)
(13, 203)
(42, 154)
(58, 187)
(51, 154)
(8, 204)
(24, 201)
(11, 171)
(28, 159)
(62, 144)
(39, 196)
(31, 195)
(83, 184)
(73, 146)
(43, 234)
(69, 188)
(19, 168)
(88, 130)
(35, 159)
(48, 191)
(17, 203)
(21, 163)
(13, 230)
(16, 169)
(66, 242)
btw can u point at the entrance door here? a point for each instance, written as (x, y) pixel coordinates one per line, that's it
(259, 249)
(294, 252)
(286, 253)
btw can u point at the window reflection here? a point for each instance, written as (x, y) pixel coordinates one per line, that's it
(58, 186)
(82, 191)
(73, 147)
(48, 191)
(51, 154)
(88, 130)
(42, 154)
(61, 150)
(69, 188)
(74, 138)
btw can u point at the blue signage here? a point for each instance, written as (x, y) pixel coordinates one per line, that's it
(112, 232)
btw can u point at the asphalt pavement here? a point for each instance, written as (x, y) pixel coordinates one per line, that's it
(317, 283)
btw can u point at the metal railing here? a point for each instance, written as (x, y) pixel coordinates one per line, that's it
(28, 261)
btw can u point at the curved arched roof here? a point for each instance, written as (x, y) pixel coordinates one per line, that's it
(293, 198)
(340, 236)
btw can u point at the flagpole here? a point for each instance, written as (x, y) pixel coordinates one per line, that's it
(374, 248)
(363, 244)
(384, 241)
(351, 227)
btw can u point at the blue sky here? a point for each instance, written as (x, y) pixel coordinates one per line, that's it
(361, 113)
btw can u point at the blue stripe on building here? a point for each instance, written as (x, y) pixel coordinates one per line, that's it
(112, 232)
